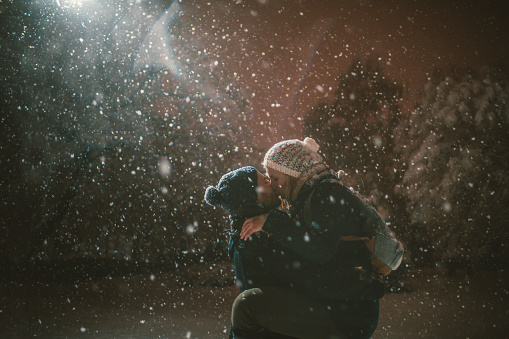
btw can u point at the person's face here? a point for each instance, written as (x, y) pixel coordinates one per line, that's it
(266, 195)
(278, 182)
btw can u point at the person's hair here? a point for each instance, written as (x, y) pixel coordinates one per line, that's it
(290, 184)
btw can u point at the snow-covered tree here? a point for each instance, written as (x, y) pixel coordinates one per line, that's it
(456, 152)
(355, 132)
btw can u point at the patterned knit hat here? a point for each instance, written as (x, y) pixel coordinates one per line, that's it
(293, 157)
(235, 190)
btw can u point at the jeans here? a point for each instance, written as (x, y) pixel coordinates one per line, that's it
(283, 311)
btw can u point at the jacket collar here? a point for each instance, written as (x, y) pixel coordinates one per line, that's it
(309, 185)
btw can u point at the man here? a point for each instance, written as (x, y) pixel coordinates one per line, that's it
(262, 262)
(245, 192)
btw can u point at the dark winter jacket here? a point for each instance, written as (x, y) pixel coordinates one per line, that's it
(263, 261)
(249, 257)
(327, 268)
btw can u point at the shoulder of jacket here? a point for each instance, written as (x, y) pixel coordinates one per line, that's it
(331, 186)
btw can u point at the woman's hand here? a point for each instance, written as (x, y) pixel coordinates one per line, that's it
(252, 225)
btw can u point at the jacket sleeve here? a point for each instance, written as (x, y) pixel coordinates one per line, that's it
(320, 240)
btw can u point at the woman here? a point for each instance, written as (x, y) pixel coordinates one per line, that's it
(322, 214)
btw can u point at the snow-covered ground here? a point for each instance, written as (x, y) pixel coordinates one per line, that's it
(161, 306)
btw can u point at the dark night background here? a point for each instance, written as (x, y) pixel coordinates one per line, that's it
(116, 115)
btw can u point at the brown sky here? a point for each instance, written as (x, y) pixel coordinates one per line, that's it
(287, 53)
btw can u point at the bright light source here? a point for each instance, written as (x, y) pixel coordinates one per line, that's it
(72, 3)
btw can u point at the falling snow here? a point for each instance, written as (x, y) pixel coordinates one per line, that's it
(116, 115)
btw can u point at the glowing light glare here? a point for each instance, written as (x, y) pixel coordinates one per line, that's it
(73, 3)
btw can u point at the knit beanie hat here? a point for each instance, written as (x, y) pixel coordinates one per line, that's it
(235, 190)
(293, 157)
